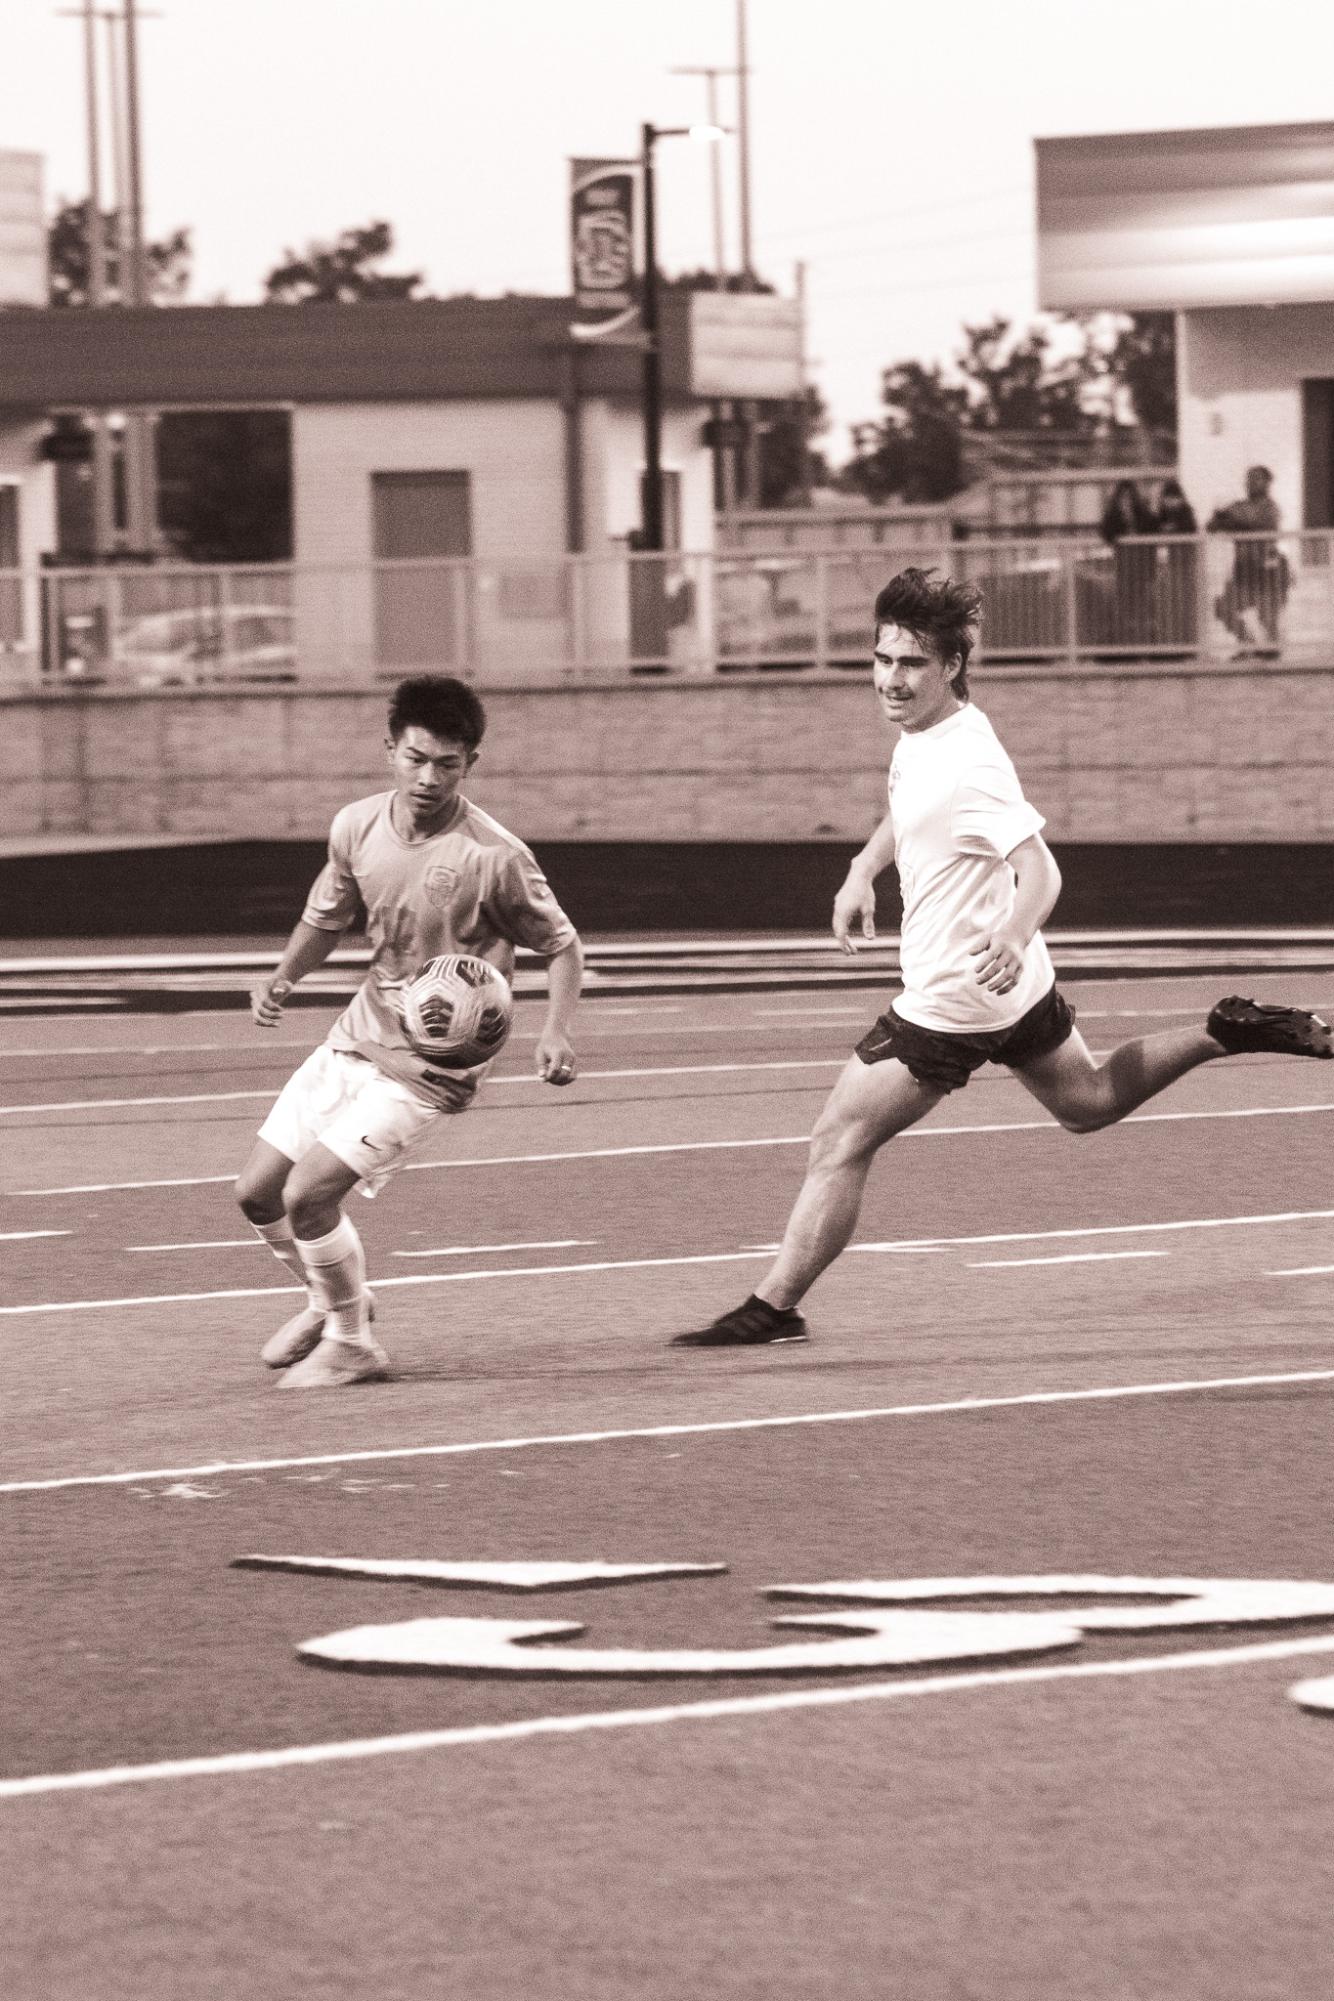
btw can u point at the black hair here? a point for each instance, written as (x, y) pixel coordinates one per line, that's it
(438, 703)
(941, 616)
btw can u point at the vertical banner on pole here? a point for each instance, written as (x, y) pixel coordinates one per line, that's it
(602, 249)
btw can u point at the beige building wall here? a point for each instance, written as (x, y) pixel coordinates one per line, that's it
(1240, 374)
(34, 482)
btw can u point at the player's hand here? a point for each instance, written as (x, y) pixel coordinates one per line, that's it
(555, 1060)
(266, 1001)
(854, 907)
(1000, 961)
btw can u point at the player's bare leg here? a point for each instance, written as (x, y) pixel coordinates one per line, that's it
(259, 1194)
(1085, 1095)
(867, 1106)
(336, 1269)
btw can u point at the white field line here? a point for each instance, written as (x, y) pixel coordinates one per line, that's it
(218, 1469)
(18, 1236)
(1068, 1258)
(492, 1250)
(649, 1264)
(692, 1146)
(592, 1029)
(585, 1076)
(234, 1763)
(376, 1284)
(1301, 1271)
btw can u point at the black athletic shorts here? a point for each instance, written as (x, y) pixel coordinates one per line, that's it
(947, 1061)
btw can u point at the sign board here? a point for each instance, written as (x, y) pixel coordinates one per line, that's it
(603, 203)
(1154, 221)
(22, 230)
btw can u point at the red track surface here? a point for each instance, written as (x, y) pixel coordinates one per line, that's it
(1023, 1828)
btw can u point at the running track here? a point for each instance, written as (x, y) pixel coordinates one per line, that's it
(1045, 1357)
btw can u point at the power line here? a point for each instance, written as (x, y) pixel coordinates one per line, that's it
(896, 214)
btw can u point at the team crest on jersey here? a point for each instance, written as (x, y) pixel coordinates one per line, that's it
(439, 885)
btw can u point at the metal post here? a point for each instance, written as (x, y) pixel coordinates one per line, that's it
(136, 293)
(743, 135)
(651, 508)
(104, 523)
(804, 479)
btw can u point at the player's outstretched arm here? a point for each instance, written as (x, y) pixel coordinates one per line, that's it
(555, 1056)
(309, 946)
(854, 906)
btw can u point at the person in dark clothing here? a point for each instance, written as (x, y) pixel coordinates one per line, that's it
(1176, 567)
(1128, 513)
(1261, 576)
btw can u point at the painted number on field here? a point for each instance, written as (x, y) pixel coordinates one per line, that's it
(863, 1624)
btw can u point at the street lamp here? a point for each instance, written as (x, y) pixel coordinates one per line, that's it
(651, 511)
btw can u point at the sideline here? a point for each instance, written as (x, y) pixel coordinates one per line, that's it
(232, 1763)
(1025, 1399)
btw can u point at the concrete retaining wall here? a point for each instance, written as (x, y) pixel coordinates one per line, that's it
(1241, 754)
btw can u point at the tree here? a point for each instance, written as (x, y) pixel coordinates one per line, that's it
(1142, 360)
(340, 273)
(69, 264)
(1088, 383)
(916, 452)
(789, 463)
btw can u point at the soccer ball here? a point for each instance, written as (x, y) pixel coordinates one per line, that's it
(457, 1011)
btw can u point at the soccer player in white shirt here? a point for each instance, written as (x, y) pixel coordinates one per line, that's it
(434, 875)
(978, 882)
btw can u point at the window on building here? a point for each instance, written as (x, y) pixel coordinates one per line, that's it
(225, 485)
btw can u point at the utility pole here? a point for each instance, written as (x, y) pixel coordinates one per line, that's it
(711, 73)
(104, 510)
(743, 139)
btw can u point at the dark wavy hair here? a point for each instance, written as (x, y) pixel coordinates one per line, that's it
(438, 703)
(940, 614)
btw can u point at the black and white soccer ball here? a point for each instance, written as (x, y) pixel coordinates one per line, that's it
(457, 1010)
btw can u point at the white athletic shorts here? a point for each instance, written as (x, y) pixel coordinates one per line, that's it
(370, 1121)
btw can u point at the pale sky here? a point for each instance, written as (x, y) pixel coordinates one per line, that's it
(891, 145)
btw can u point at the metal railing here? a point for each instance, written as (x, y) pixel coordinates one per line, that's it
(590, 618)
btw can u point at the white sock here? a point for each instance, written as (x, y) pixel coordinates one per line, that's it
(280, 1240)
(336, 1271)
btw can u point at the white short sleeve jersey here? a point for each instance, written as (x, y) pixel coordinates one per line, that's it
(957, 811)
(473, 887)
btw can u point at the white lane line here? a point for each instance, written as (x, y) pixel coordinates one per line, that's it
(1026, 1399)
(209, 1244)
(646, 1264)
(1103, 1230)
(585, 1076)
(692, 1146)
(477, 1250)
(230, 1764)
(1301, 1271)
(1069, 1258)
(377, 1284)
(18, 1236)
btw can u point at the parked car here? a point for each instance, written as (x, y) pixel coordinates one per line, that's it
(206, 645)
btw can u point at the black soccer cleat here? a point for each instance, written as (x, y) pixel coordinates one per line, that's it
(754, 1324)
(1245, 1025)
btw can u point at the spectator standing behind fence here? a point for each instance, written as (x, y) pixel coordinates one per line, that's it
(1176, 567)
(1128, 513)
(1260, 573)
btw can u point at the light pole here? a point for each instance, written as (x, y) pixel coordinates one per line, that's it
(651, 511)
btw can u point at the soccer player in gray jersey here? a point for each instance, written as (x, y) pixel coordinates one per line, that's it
(434, 875)
(978, 882)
